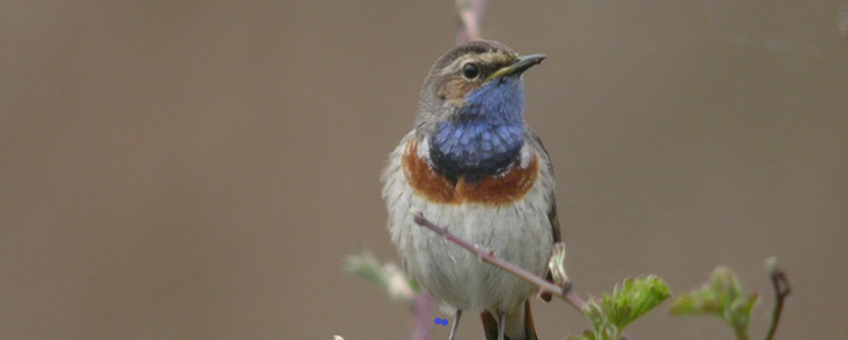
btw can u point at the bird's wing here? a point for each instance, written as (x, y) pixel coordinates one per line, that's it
(552, 213)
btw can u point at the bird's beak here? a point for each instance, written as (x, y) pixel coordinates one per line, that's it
(520, 65)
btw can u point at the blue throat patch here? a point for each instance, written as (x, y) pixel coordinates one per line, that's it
(485, 136)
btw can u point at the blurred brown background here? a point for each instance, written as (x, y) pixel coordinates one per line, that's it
(198, 169)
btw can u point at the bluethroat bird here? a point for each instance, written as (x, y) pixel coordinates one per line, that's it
(472, 164)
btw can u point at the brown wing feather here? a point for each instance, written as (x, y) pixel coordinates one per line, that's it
(490, 325)
(529, 327)
(552, 213)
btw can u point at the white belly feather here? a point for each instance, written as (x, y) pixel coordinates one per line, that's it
(519, 232)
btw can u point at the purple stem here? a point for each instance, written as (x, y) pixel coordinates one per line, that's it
(422, 311)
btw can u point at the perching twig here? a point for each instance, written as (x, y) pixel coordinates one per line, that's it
(566, 292)
(781, 290)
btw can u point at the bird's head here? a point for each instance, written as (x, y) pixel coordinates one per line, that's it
(477, 81)
(471, 107)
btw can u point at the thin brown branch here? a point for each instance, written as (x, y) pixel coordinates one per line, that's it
(780, 283)
(470, 14)
(566, 292)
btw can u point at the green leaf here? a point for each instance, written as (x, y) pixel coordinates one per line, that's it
(629, 301)
(587, 335)
(722, 296)
(365, 266)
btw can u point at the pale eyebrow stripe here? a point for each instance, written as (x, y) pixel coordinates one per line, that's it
(488, 57)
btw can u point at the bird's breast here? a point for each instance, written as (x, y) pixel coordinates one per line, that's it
(503, 188)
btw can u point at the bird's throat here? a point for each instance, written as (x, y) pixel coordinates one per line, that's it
(475, 149)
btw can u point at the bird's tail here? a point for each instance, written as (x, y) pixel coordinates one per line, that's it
(518, 325)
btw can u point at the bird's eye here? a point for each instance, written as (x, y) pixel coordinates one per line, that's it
(470, 71)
